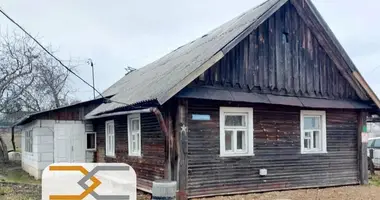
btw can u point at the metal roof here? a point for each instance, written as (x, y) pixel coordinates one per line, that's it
(156, 80)
(168, 75)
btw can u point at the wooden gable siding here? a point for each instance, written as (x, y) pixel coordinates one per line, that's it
(281, 57)
(151, 165)
(77, 112)
(276, 148)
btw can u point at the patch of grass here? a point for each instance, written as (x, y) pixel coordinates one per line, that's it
(5, 190)
(375, 180)
(20, 176)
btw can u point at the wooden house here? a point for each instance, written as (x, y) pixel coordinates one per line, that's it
(267, 101)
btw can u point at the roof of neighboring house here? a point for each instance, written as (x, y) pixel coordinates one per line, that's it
(29, 117)
(166, 76)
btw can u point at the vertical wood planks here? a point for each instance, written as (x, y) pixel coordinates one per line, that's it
(272, 53)
(316, 67)
(246, 62)
(287, 48)
(301, 35)
(255, 55)
(283, 57)
(251, 59)
(295, 49)
(262, 55)
(279, 52)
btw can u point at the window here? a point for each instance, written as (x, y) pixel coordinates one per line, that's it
(313, 132)
(376, 144)
(236, 131)
(110, 138)
(134, 135)
(29, 141)
(90, 140)
(370, 143)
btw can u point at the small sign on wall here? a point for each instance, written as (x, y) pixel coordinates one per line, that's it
(364, 137)
(200, 117)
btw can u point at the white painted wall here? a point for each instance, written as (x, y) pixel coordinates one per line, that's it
(43, 146)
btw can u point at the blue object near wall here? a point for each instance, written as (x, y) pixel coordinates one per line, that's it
(200, 117)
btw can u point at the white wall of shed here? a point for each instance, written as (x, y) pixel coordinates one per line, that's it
(43, 146)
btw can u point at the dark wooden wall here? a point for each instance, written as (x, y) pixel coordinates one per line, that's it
(75, 112)
(151, 165)
(276, 148)
(281, 57)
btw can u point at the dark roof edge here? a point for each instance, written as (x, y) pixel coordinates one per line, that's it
(25, 118)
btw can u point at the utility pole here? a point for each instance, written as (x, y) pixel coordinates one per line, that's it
(93, 77)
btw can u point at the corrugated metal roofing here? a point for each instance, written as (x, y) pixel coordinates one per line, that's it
(154, 81)
(165, 77)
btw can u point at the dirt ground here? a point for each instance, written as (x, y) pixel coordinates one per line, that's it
(337, 193)
(15, 184)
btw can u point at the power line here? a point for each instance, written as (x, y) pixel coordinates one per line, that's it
(58, 60)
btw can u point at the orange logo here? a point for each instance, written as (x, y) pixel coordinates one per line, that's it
(88, 191)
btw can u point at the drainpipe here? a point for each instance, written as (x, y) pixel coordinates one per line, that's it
(164, 129)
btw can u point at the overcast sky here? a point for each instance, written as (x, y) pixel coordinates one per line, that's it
(137, 32)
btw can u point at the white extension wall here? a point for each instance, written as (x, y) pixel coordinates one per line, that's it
(43, 146)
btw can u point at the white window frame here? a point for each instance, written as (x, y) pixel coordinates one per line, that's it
(132, 152)
(91, 149)
(249, 134)
(110, 150)
(29, 141)
(322, 130)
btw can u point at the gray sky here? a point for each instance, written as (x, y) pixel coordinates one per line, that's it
(137, 32)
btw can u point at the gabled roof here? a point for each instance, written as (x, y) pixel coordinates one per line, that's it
(165, 77)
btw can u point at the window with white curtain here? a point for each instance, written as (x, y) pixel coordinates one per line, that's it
(313, 131)
(236, 131)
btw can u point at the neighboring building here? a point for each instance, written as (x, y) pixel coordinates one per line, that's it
(267, 101)
(57, 135)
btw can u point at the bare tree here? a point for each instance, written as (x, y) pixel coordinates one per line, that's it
(16, 68)
(30, 79)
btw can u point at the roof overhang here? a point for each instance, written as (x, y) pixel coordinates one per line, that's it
(236, 96)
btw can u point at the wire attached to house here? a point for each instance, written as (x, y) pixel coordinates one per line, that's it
(55, 58)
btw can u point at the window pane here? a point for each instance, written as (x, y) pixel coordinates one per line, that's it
(376, 144)
(135, 124)
(228, 140)
(307, 143)
(138, 142)
(311, 122)
(370, 142)
(235, 120)
(241, 140)
(90, 141)
(317, 139)
(133, 146)
(307, 135)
